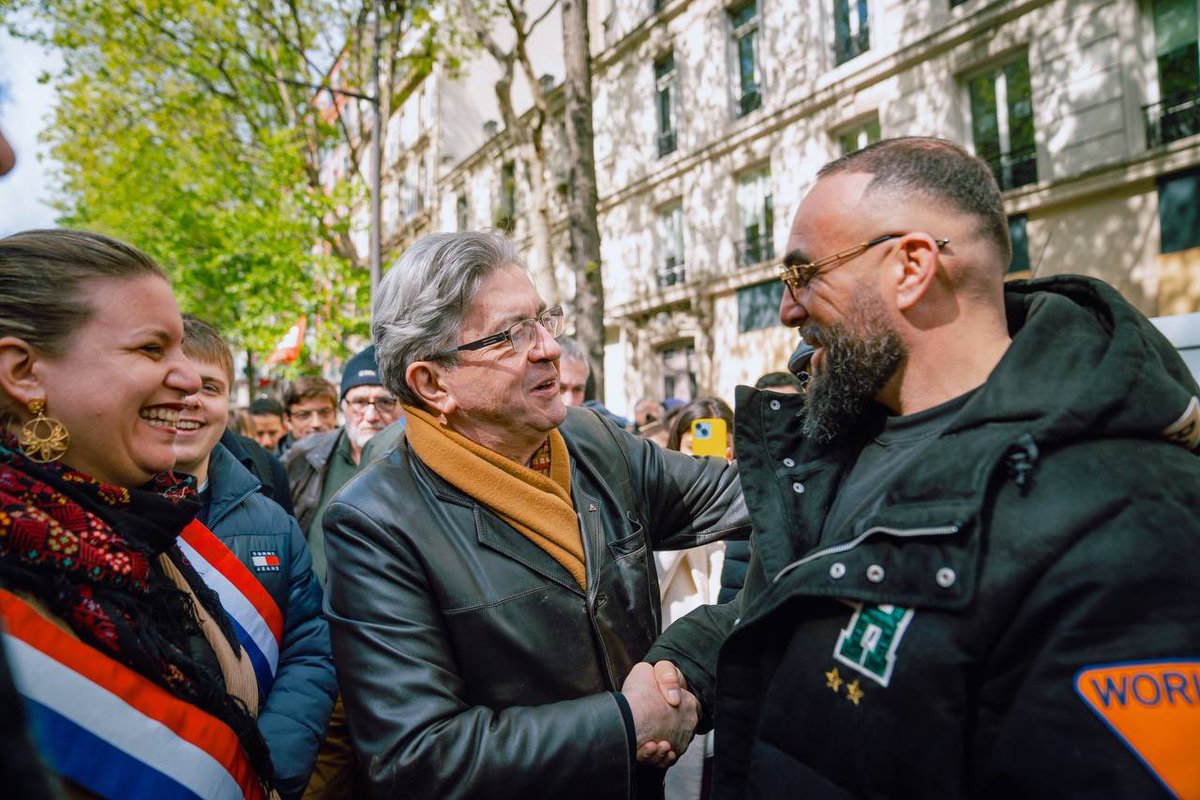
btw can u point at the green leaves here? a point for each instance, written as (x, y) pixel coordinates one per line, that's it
(189, 128)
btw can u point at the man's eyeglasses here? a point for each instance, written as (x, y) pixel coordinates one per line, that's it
(303, 414)
(523, 334)
(798, 274)
(384, 405)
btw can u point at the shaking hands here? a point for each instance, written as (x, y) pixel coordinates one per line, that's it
(664, 712)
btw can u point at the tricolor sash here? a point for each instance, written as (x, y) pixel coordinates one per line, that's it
(256, 618)
(112, 731)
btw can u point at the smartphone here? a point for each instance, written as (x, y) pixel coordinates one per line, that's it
(710, 437)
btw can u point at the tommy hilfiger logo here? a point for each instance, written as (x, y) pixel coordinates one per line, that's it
(265, 561)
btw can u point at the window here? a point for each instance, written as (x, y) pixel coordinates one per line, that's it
(462, 210)
(758, 305)
(757, 218)
(670, 239)
(1176, 31)
(1179, 211)
(859, 136)
(678, 364)
(1002, 123)
(1020, 243)
(745, 39)
(410, 190)
(666, 98)
(506, 204)
(851, 29)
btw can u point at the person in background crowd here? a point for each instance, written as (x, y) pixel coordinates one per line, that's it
(680, 437)
(499, 664)
(321, 464)
(649, 420)
(975, 534)
(134, 678)
(573, 371)
(688, 579)
(240, 422)
(284, 629)
(311, 403)
(270, 424)
(781, 382)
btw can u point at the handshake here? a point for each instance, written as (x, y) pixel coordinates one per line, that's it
(665, 713)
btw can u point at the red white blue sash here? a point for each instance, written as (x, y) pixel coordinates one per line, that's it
(113, 731)
(256, 618)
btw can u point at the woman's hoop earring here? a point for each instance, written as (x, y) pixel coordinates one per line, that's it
(43, 439)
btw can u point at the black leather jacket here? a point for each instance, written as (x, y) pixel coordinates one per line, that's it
(471, 664)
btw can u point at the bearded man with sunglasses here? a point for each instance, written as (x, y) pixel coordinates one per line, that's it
(975, 536)
(492, 585)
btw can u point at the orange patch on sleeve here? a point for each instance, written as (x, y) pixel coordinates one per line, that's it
(1155, 710)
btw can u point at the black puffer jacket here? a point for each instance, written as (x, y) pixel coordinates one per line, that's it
(471, 663)
(972, 635)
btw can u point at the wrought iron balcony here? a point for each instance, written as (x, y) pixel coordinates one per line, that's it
(852, 44)
(671, 274)
(1014, 169)
(751, 99)
(666, 143)
(756, 250)
(1175, 117)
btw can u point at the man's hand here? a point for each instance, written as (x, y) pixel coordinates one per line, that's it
(663, 729)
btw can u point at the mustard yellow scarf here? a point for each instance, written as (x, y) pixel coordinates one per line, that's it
(539, 507)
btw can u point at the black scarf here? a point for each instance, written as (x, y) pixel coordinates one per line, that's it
(88, 551)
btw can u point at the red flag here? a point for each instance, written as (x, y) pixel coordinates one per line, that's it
(289, 346)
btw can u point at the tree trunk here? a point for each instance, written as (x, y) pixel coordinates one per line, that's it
(584, 231)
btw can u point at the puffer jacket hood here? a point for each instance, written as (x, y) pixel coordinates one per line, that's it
(1108, 373)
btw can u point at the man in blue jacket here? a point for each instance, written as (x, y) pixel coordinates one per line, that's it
(285, 635)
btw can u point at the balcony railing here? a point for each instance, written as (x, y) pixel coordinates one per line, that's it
(671, 274)
(751, 99)
(1175, 117)
(666, 143)
(850, 45)
(1014, 169)
(756, 250)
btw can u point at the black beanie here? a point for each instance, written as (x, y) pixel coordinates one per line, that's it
(361, 371)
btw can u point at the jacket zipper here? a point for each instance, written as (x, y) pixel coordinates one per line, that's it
(943, 530)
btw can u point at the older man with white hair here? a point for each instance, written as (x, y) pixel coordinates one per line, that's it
(491, 579)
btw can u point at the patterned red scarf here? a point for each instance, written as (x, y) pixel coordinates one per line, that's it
(87, 551)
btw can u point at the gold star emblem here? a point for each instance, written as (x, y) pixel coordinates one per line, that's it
(833, 680)
(853, 693)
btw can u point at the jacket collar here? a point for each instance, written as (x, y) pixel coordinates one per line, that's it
(229, 483)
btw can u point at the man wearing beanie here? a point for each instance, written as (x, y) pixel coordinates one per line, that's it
(318, 465)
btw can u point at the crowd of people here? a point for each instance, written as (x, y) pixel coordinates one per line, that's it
(949, 552)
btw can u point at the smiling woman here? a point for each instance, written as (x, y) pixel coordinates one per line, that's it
(109, 629)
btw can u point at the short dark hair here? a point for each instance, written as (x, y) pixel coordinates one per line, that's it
(938, 169)
(201, 340)
(773, 379)
(307, 387)
(266, 406)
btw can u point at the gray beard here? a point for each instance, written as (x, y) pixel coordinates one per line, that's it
(861, 355)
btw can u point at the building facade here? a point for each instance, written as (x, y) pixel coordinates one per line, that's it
(712, 119)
